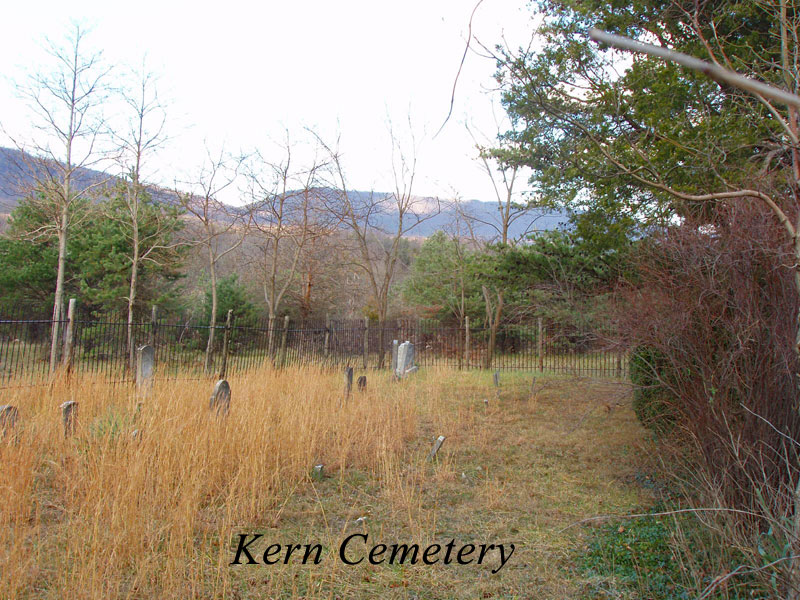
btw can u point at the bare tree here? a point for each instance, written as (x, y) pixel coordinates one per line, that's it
(149, 228)
(285, 221)
(67, 106)
(377, 249)
(503, 175)
(221, 228)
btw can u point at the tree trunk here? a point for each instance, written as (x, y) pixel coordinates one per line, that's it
(132, 299)
(381, 344)
(59, 294)
(271, 334)
(494, 325)
(213, 320)
(305, 306)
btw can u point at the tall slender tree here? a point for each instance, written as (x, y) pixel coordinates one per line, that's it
(149, 226)
(66, 104)
(219, 229)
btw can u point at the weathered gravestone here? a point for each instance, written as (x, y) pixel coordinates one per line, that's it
(8, 419)
(220, 401)
(497, 378)
(395, 346)
(318, 472)
(361, 384)
(69, 415)
(405, 360)
(348, 381)
(437, 444)
(145, 366)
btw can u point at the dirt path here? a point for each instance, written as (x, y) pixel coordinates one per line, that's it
(516, 471)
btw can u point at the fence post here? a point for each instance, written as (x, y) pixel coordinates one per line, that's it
(327, 343)
(540, 344)
(225, 340)
(466, 342)
(68, 335)
(153, 325)
(283, 341)
(366, 341)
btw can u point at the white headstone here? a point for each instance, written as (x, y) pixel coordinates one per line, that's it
(145, 366)
(405, 360)
(437, 444)
(395, 346)
(221, 397)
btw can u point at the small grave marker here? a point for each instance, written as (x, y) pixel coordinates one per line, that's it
(361, 384)
(9, 415)
(145, 366)
(497, 378)
(436, 445)
(220, 401)
(395, 347)
(69, 415)
(318, 472)
(348, 381)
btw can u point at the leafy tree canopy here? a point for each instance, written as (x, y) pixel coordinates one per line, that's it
(622, 131)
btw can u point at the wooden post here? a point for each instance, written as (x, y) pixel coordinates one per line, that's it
(366, 342)
(540, 344)
(283, 341)
(466, 342)
(327, 343)
(153, 325)
(68, 336)
(225, 341)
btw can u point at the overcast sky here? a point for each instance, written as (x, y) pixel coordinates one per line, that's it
(239, 75)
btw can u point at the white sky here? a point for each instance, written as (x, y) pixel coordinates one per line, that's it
(240, 74)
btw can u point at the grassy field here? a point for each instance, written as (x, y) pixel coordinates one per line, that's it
(108, 514)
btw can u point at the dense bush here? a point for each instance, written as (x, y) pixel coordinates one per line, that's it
(716, 308)
(715, 303)
(652, 402)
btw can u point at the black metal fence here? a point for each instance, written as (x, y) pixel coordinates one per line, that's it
(100, 345)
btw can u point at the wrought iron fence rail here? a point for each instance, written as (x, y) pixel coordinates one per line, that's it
(100, 345)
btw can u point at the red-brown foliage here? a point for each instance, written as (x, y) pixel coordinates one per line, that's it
(718, 302)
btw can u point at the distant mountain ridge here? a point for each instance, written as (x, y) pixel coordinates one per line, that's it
(15, 178)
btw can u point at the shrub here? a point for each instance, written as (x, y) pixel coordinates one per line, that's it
(652, 402)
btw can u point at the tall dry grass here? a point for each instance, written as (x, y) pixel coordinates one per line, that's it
(104, 513)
